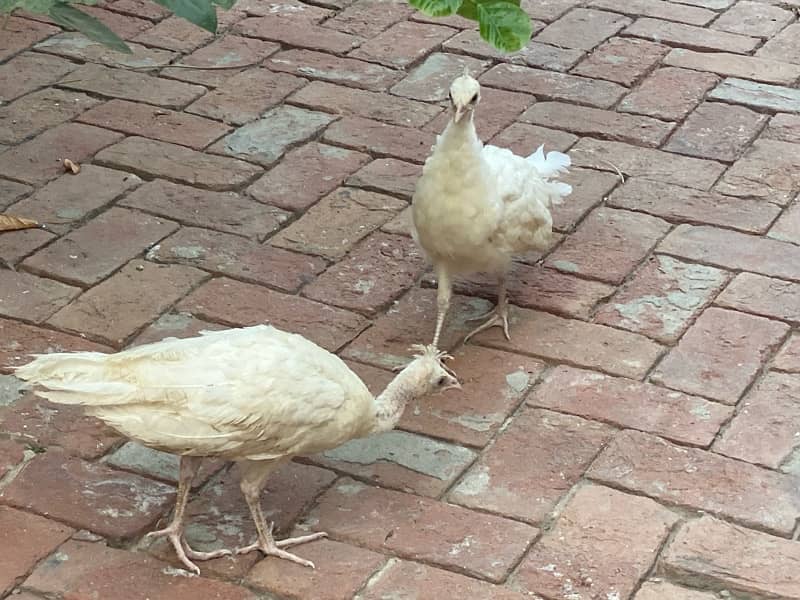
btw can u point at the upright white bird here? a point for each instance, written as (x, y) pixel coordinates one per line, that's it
(255, 395)
(477, 206)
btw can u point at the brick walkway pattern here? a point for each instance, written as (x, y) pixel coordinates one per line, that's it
(636, 438)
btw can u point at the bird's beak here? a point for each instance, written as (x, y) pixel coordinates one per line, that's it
(453, 384)
(460, 112)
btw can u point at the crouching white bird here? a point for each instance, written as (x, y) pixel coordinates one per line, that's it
(477, 206)
(256, 395)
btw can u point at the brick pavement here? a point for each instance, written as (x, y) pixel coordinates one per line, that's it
(636, 439)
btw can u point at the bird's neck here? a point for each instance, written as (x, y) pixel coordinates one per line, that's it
(392, 401)
(461, 134)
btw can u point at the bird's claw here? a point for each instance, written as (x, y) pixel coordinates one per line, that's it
(273, 548)
(498, 318)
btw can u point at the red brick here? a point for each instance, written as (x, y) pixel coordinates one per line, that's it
(338, 222)
(130, 85)
(20, 34)
(25, 296)
(788, 359)
(668, 93)
(430, 81)
(297, 33)
(16, 245)
(160, 159)
(622, 60)
(88, 496)
(659, 589)
(319, 95)
(608, 244)
(25, 539)
(631, 404)
(659, 10)
(347, 71)
(763, 296)
(381, 138)
(97, 249)
(403, 44)
(421, 529)
(139, 8)
(175, 33)
(589, 188)
(753, 18)
(246, 96)
(12, 453)
(534, 54)
(70, 198)
(712, 4)
(784, 128)
(406, 579)
(18, 341)
(243, 304)
(306, 174)
(548, 10)
(126, 26)
(602, 544)
(652, 164)
(76, 46)
(735, 65)
(368, 18)
(784, 46)
(769, 170)
(506, 481)
(289, 8)
(388, 175)
(686, 205)
(583, 29)
(231, 255)
(11, 191)
(84, 570)
(41, 159)
(399, 225)
(340, 572)
(787, 227)
(603, 123)
(371, 276)
(761, 96)
(498, 109)
(700, 480)
(689, 36)
(38, 111)
(589, 345)
(30, 71)
(708, 552)
(554, 86)
(734, 250)
(44, 424)
(179, 325)
(523, 139)
(663, 297)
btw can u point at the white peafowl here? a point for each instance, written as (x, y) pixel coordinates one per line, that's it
(256, 395)
(477, 206)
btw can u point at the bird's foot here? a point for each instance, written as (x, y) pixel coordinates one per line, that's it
(185, 553)
(197, 555)
(272, 548)
(498, 317)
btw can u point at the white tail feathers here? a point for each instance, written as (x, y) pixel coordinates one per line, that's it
(550, 165)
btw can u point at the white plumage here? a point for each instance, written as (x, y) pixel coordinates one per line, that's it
(477, 206)
(255, 395)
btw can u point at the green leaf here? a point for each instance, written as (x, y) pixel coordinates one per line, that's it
(469, 10)
(505, 26)
(72, 18)
(226, 4)
(436, 8)
(199, 12)
(41, 7)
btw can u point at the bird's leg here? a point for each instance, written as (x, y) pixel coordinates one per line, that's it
(174, 531)
(254, 475)
(443, 293)
(498, 316)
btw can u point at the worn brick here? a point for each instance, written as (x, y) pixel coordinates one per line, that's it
(758, 95)
(387, 175)
(88, 495)
(319, 95)
(412, 527)
(30, 71)
(16, 245)
(658, 589)
(686, 205)
(381, 138)
(40, 110)
(246, 96)
(709, 552)
(647, 162)
(160, 159)
(503, 480)
(735, 65)
(126, 26)
(769, 170)
(784, 128)
(631, 404)
(289, 8)
(305, 175)
(41, 159)
(689, 36)
(753, 18)
(582, 28)
(20, 34)
(784, 46)
(141, 460)
(658, 9)
(104, 244)
(76, 46)
(788, 359)
(589, 188)
(11, 191)
(548, 10)
(174, 324)
(347, 71)
(367, 18)
(403, 44)
(524, 139)
(764, 296)
(231, 255)
(698, 479)
(533, 55)
(337, 222)
(622, 60)
(297, 33)
(602, 544)
(787, 227)
(589, 345)
(176, 34)
(430, 81)
(243, 304)
(668, 93)
(554, 86)
(25, 539)
(25, 296)
(12, 453)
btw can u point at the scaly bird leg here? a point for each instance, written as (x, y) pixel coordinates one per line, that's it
(254, 475)
(174, 531)
(498, 316)
(443, 292)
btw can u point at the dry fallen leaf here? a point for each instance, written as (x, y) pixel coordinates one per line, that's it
(74, 167)
(11, 223)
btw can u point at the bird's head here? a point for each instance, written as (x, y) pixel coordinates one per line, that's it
(465, 92)
(429, 371)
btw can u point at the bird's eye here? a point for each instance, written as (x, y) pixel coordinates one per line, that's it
(474, 99)
(442, 380)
